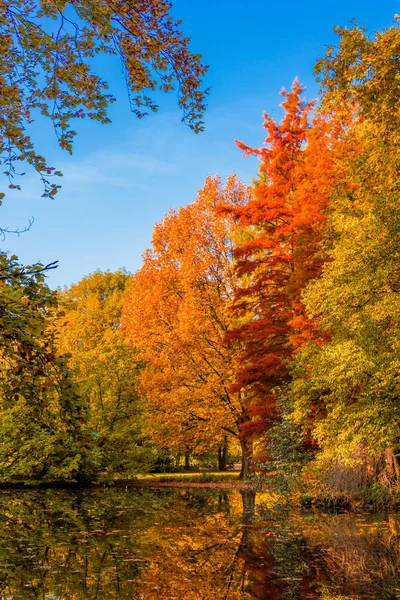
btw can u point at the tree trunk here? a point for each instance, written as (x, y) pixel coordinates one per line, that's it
(249, 504)
(223, 456)
(177, 460)
(187, 461)
(219, 458)
(392, 466)
(247, 455)
(224, 502)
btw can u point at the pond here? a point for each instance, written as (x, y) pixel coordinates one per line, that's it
(189, 544)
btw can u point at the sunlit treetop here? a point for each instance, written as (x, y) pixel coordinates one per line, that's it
(359, 70)
(46, 66)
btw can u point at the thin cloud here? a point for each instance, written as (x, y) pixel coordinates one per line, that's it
(116, 169)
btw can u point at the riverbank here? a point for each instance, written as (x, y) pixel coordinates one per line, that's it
(201, 479)
(222, 485)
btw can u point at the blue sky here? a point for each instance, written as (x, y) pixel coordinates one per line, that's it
(123, 177)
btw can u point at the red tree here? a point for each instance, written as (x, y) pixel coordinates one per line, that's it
(283, 225)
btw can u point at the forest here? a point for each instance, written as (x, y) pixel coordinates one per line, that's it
(263, 326)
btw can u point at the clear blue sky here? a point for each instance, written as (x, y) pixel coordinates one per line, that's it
(124, 176)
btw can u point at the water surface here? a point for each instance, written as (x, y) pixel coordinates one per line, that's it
(189, 544)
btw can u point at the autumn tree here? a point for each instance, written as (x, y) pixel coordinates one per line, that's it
(47, 50)
(43, 431)
(176, 314)
(352, 381)
(279, 252)
(107, 369)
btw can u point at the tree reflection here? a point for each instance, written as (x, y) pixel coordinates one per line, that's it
(360, 556)
(187, 545)
(119, 544)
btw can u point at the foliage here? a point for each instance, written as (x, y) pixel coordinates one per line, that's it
(287, 452)
(284, 221)
(268, 313)
(164, 462)
(176, 315)
(47, 64)
(89, 331)
(43, 435)
(350, 385)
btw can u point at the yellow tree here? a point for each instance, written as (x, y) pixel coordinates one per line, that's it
(176, 314)
(107, 368)
(352, 381)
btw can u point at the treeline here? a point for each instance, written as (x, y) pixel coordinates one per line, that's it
(264, 318)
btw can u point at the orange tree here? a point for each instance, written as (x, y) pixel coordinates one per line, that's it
(46, 66)
(176, 314)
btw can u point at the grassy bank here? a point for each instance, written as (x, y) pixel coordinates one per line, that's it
(193, 477)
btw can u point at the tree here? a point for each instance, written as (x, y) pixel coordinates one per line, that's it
(279, 253)
(47, 50)
(43, 433)
(176, 314)
(351, 383)
(107, 369)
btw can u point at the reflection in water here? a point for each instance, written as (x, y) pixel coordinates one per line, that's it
(188, 545)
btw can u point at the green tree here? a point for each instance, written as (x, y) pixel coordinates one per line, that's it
(106, 368)
(43, 435)
(47, 50)
(350, 385)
